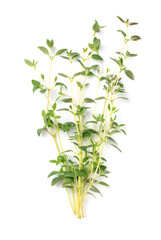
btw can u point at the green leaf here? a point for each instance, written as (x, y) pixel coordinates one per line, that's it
(81, 173)
(69, 174)
(77, 74)
(65, 128)
(60, 51)
(79, 84)
(88, 73)
(94, 66)
(123, 98)
(120, 19)
(132, 55)
(66, 182)
(104, 184)
(91, 46)
(84, 148)
(133, 23)
(100, 98)
(115, 60)
(114, 131)
(28, 62)
(39, 131)
(44, 50)
(135, 38)
(63, 75)
(88, 100)
(112, 140)
(36, 85)
(43, 113)
(53, 161)
(63, 109)
(91, 122)
(52, 173)
(81, 63)
(123, 33)
(67, 100)
(56, 180)
(115, 146)
(65, 57)
(123, 131)
(49, 43)
(129, 74)
(91, 194)
(96, 43)
(60, 84)
(96, 27)
(43, 90)
(92, 131)
(54, 106)
(96, 57)
(94, 189)
(74, 55)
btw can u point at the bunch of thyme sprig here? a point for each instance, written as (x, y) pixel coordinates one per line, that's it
(81, 169)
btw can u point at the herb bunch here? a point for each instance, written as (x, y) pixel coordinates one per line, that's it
(81, 169)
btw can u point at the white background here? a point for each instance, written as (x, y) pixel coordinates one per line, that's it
(29, 207)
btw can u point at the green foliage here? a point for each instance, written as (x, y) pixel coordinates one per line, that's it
(97, 57)
(44, 50)
(60, 51)
(129, 74)
(135, 38)
(50, 43)
(88, 100)
(91, 127)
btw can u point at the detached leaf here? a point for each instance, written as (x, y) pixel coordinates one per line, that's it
(97, 57)
(88, 100)
(60, 51)
(135, 38)
(129, 74)
(44, 50)
(28, 62)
